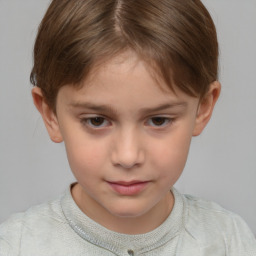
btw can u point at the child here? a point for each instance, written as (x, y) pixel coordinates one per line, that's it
(126, 84)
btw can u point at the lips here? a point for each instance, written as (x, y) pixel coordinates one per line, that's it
(128, 188)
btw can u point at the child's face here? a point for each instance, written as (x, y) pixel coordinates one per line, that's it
(127, 140)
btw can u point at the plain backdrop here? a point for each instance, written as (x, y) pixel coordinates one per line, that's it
(222, 161)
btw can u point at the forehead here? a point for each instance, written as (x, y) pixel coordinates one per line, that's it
(124, 80)
(124, 67)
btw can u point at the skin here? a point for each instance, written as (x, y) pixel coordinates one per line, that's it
(127, 139)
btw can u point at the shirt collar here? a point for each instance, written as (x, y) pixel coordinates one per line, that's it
(119, 243)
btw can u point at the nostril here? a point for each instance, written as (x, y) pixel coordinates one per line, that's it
(127, 151)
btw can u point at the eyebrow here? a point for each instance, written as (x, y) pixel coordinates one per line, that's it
(113, 111)
(165, 107)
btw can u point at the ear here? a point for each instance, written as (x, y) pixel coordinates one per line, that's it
(205, 107)
(48, 115)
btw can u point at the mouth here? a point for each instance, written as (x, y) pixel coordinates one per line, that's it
(128, 188)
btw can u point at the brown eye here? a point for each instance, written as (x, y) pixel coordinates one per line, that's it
(158, 121)
(96, 122)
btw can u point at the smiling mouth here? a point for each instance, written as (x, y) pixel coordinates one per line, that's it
(128, 188)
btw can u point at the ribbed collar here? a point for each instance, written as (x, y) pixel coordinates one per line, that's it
(120, 243)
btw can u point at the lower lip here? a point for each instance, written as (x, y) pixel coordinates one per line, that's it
(128, 190)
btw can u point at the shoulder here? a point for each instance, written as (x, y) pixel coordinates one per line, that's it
(207, 221)
(211, 214)
(10, 235)
(27, 225)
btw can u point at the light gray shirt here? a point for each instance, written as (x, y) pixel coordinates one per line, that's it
(195, 227)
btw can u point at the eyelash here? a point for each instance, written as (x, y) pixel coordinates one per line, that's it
(105, 123)
(88, 122)
(166, 121)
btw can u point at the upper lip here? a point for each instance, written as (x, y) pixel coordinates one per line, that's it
(127, 183)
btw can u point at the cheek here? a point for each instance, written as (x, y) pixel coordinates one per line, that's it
(85, 156)
(170, 156)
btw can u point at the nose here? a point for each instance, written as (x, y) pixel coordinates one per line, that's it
(128, 150)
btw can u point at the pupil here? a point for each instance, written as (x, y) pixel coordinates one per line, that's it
(97, 121)
(158, 120)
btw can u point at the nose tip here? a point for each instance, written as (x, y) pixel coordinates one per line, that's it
(128, 159)
(128, 165)
(128, 152)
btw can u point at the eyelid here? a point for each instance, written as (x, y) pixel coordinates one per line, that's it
(168, 121)
(85, 121)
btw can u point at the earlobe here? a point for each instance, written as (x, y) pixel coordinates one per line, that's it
(206, 107)
(48, 115)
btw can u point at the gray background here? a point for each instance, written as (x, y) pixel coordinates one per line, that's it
(222, 161)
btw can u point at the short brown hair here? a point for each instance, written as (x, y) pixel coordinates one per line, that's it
(177, 37)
